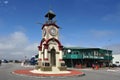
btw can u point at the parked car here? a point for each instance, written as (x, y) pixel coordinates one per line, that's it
(17, 61)
(114, 65)
(33, 61)
(4, 61)
(0, 62)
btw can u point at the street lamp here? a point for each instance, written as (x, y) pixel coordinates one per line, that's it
(69, 51)
(108, 55)
(109, 60)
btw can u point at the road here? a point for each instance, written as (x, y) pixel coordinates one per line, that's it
(6, 74)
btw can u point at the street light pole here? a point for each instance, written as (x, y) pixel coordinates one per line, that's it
(109, 59)
(108, 54)
(69, 51)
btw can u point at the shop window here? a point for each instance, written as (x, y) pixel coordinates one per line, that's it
(86, 54)
(95, 54)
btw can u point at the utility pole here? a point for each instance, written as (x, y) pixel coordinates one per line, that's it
(69, 51)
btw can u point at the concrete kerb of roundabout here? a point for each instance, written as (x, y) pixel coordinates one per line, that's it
(37, 73)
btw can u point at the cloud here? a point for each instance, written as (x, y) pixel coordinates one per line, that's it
(6, 2)
(17, 46)
(70, 45)
(1, 23)
(101, 33)
(114, 47)
(3, 3)
(113, 17)
(67, 41)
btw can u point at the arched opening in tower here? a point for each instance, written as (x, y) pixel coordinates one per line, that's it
(53, 57)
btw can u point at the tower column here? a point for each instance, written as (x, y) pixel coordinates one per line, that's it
(40, 58)
(46, 54)
(40, 55)
(60, 56)
(60, 50)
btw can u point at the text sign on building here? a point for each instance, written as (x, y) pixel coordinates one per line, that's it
(74, 56)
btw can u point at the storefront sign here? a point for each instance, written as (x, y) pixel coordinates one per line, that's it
(74, 56)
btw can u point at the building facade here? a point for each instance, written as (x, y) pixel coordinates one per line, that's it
(116, 59)
(86, 57)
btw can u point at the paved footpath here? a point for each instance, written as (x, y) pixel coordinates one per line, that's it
(117, 70)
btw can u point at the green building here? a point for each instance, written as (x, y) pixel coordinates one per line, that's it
(86, 57)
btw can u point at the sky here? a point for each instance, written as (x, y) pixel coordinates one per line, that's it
(83, 23)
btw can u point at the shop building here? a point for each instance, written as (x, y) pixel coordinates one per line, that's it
(86, 57)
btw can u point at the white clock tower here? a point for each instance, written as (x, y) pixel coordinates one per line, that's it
(50, 49)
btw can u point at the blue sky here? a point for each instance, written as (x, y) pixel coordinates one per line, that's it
(84, 23)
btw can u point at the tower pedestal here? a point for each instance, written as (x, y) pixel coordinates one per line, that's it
(46, 66)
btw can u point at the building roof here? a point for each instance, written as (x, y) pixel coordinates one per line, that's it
(84, 48)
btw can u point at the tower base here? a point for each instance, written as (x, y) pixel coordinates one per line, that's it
(46, 66)
(49, 68)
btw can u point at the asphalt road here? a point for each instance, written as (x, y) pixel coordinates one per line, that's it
(6, 74)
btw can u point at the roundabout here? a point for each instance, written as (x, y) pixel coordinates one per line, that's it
(33, 72)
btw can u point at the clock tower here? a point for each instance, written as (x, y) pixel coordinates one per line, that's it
(50, 48)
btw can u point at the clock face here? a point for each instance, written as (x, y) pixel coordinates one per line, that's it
(44, 32)
(53, 31)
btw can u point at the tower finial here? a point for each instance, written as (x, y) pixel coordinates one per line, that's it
(50, 15)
